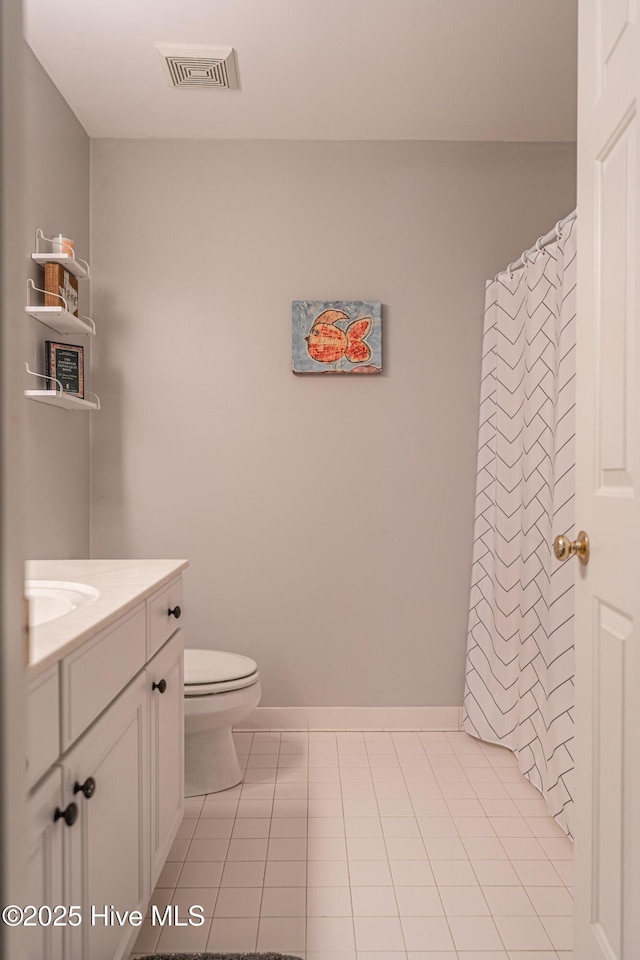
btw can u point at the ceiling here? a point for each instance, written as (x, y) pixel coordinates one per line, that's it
(319, 69)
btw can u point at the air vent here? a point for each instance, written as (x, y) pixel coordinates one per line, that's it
(188, 66)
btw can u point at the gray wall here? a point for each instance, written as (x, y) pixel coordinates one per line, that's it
(328, 520)
(56, 447)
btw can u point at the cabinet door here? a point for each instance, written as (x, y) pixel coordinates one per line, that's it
(109, 853)
(167, 748)
(44, 867)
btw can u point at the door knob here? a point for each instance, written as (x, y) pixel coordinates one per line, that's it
(69, 815)
(565, 548)
(88, 788)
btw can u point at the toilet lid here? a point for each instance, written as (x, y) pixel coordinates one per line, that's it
(216, 666)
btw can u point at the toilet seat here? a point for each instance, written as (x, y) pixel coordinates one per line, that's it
(207, 672)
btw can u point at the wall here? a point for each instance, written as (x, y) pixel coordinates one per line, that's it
(328, 521)
(13, 825)
(57, 161)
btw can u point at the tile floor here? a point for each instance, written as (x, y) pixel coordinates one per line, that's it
(371, 846)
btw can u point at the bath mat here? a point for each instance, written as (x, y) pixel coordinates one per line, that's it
(220, 956)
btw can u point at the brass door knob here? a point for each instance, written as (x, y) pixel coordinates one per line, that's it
(565, 548)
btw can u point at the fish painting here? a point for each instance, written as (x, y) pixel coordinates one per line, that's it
(327, 343)
(337, 337)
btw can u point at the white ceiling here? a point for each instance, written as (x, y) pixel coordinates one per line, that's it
(319, 69)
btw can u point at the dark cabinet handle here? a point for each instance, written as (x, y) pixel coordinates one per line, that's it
(70, 815)
(161, 686)
(88, 787)
(176, 612)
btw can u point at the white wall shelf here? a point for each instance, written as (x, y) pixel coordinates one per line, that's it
(76, 267)
(79, 268)
(64, 400)
(55, 396)
(59, 318)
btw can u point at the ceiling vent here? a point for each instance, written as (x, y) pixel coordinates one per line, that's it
(190, 66)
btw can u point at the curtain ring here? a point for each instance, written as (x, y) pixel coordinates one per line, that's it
(539, 246)
(558, 229)
(509, 270)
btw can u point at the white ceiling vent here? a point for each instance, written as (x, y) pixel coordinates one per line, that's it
(192, 66)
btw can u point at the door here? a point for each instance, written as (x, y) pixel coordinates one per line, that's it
(607, 895)
(165, 680)
(106, 774)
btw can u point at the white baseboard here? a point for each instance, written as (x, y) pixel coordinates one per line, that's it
(353, 718)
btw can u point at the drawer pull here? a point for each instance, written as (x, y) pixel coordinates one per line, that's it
(161, 686)
(176, 612)
(88, 788)
(70, 815)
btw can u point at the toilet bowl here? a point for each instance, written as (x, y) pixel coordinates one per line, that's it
(220, 689)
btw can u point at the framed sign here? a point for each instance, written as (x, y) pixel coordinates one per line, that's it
(64, 362)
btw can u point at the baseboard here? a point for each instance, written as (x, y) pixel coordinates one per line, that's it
(353, 718)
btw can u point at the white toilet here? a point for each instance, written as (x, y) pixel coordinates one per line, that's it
(220, 689)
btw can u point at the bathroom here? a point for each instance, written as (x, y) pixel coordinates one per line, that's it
(310, 512)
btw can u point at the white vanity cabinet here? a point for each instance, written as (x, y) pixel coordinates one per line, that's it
(102, 819)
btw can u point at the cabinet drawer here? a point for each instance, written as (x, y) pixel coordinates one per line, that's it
(43, 725)
(160, 623)
(96, 673)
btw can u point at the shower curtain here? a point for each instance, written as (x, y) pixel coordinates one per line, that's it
(519, 689)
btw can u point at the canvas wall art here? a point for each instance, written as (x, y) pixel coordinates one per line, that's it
(337, 336)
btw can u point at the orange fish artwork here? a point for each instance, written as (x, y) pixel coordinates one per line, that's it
(328, 343)
(337, 336)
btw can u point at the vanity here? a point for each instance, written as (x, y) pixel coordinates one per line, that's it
(105, 751)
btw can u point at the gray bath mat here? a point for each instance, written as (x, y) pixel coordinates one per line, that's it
(220, 956)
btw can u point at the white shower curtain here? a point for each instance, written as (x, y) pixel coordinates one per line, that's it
(519, 689)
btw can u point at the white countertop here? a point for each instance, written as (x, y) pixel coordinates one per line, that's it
(121, 583)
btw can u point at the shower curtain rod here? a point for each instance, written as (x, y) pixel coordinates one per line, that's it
(542, 242)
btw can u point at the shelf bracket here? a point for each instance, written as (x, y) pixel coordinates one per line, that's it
(43, 376)
(31, 286)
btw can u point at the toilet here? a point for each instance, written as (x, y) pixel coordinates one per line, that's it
(220, 689)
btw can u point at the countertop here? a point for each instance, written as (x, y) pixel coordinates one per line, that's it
(122, 584)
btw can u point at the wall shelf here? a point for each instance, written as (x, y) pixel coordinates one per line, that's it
(55, 396)
(59, 318)
(79, 268)
(64, 400)
(76, 267)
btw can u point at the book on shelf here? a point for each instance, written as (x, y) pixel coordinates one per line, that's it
(58, 283)
(64, 362)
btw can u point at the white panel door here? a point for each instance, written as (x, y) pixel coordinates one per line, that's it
(607, 904)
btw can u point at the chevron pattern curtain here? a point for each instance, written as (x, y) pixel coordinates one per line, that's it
(519, 689)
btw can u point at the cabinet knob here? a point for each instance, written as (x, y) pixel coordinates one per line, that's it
(176, 612)
(161, 685)
(70, 815)
(88, 788)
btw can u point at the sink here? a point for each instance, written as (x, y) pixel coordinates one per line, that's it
(50, 599)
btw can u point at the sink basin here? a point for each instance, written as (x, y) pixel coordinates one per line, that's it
(50, 599)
